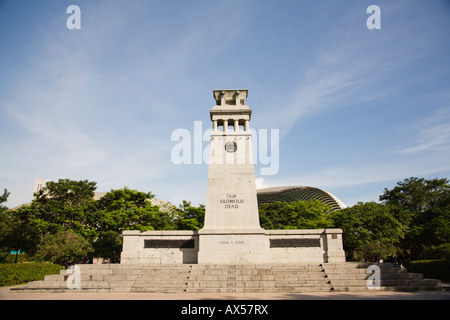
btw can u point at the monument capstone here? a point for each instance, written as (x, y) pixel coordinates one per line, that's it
(231, 232)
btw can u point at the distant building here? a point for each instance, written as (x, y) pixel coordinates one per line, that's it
(296, 193)
(39, 184)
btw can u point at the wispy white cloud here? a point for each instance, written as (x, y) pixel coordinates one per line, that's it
(431, 133)
(342, 176)
(352, 67)
(99, 104)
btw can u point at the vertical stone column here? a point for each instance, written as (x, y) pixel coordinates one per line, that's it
(231, 233)
(332, 242)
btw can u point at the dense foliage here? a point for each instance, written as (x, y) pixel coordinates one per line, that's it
(412, 220)
(433, 269)
(64, 248)
(14, 273)
(423, 208)
(310, 214)
(370, 231)
(64, 224)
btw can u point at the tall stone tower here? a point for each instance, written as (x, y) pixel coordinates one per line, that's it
(231, 217)
(231, 201)
(231, 233)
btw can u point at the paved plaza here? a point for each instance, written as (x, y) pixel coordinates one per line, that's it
(6, 294)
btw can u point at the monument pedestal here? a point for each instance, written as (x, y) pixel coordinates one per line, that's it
(232, 246)
(256, 246)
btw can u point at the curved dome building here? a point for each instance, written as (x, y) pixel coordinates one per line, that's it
(296, 193)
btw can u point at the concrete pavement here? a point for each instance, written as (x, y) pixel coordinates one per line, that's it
(6, 294)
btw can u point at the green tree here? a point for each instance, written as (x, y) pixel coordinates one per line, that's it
(438, 231)
(69, 204)
(189, 217)
(64, 248)
(127, 209)
(417, 195)
(422, 206)
(273, 216)
(108, 246)
(20, 230)
(4, 198)
(369, 230)
(311, 214)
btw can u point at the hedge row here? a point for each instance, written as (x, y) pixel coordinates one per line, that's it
(16, 273)
(434, 269)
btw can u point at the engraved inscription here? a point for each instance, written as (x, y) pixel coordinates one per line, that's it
(231, 278)
(231, 201)
(231, 242)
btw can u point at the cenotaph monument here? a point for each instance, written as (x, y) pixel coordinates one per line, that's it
(231, 253)
(231, 232)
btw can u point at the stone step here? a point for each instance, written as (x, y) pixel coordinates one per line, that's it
(352, 277)
(257, 278)
(360, 276)
(156, 282)
(389, 288)
(386, 283)
(256, 290)
(255, 266)
(241, 284)
(233, 278)
(92, 277)
(355, 265)
(251, 272)
(364, 270)
(270, 277)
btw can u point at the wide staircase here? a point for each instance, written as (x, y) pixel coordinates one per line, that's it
(357, 277)
(257, 278)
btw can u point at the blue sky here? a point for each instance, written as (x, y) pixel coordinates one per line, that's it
(357, 110)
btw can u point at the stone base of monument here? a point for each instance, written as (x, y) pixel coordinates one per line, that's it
(230, 246)
(160, 247)
(244, 278)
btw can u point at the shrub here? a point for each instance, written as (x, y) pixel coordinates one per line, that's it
(64, 248)
(16, 273)
(108, 246)
(434, 269)
(440, 252)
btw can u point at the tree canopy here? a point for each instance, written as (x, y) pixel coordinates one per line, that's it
(423, 208)
(4, 198)
(311, 214)
(369, 230)
(127, 209)
(66, 208)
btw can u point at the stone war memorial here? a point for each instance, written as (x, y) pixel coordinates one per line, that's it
(231, 233)
(232, 253)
